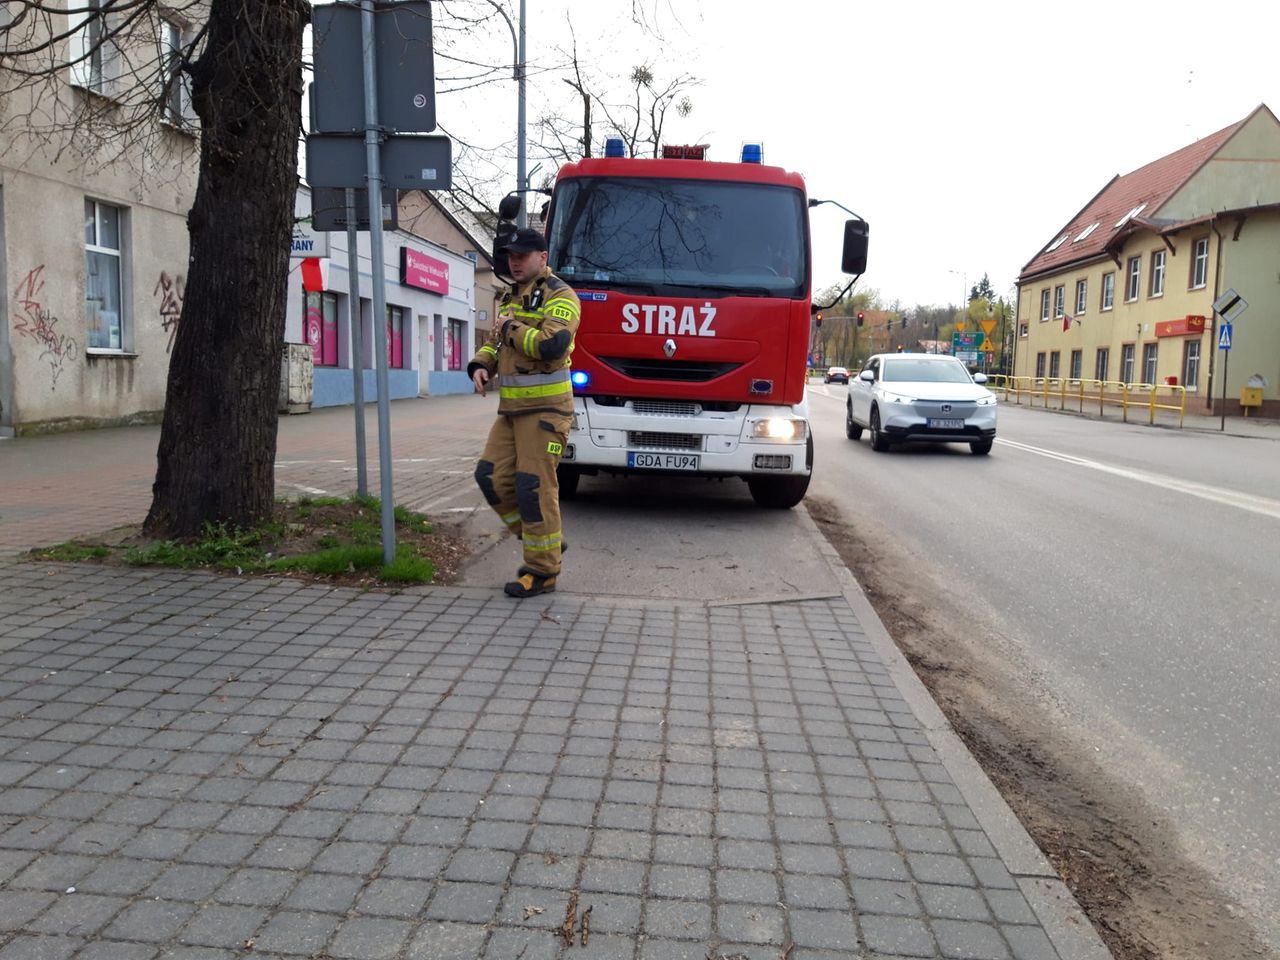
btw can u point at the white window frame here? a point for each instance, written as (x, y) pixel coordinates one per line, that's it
(1024, 330)
(1157, 274)
(1133, 280)
(1059, 301)
(1101, 363)
(1077, 364)
(1150, 362)
(1040, 365)
(1044, 305)
(1082, 296)
(118, 254)
(1191, 364)
(1128, 360)
(1055, 364)
(1200, 263)
(176, 109)
(1108, 299)
(94, 59)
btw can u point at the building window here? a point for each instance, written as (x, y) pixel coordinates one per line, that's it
(1044, 305)
(395, 337)
(1200, 263)
(1135, 280)
(1024, 330)
(1082, 296)
(1101, 363)
(104, 307)
(1059, 300)
(1157, 274)
(1040, 364)
(1126, 363)
(320, 327)
(92, 50)
(177, 85)
(1149, 362)
(1191, 364)
(1054, 359)
(1108, 290)
(1077, 362)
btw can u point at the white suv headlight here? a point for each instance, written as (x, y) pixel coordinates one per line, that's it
(987, 401)
(778, 428)
(897, 397)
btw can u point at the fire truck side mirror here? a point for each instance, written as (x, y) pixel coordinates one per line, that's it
(509, 207)
(508, 210)
(854, 259)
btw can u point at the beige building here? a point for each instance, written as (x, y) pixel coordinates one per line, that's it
(93, 232)
(1124, 292)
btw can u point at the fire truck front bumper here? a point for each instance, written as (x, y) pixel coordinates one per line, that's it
(685, 437)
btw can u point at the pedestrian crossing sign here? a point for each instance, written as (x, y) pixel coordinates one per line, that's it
(1224, 337)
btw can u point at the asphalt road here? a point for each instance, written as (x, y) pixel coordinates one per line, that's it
(1134, 573)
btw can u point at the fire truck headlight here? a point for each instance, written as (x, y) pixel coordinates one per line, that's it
(779, 428)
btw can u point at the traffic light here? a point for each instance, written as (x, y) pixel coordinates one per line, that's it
(904, 323)
(819, 321)
(860, 316)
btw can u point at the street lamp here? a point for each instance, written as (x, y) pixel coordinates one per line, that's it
(518, 72)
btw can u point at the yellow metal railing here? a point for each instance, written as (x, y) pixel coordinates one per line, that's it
(1115, 392)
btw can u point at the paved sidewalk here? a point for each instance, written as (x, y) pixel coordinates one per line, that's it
(221, 763)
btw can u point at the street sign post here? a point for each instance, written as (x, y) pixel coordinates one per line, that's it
(1224, 344)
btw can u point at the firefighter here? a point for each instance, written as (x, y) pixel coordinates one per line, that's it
(529, 352)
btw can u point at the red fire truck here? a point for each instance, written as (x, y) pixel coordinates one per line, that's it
(695, 281)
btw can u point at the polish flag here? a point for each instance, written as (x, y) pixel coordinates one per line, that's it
(1066, 322)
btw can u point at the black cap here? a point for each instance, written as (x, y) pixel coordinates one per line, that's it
(522, 241)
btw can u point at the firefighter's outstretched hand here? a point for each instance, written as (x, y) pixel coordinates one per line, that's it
(481, 379)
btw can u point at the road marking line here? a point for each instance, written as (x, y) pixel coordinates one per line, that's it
(1231, 498)
(314, 491)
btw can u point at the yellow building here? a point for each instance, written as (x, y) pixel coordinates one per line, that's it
(1124, 292)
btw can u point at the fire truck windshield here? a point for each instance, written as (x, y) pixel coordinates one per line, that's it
(691, 237)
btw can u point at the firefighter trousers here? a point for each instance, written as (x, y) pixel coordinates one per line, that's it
(517, 475)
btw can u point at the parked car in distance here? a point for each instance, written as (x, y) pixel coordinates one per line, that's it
(836, 375)
(901, 397)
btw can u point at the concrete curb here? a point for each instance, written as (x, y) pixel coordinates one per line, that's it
(1065, 924)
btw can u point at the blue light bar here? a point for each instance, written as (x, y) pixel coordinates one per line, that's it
(581, 378)
(752, 153)
(613, 147)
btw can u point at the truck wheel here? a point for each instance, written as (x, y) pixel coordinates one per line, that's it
(777, 493)
(568, 479)
(879, 442)
(851, 429)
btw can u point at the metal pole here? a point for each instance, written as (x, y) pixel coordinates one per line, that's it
(372, 138)
(523, 219)
(357, 343)
(1226, 359)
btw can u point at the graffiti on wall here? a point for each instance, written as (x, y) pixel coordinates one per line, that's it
(170, 290)
(36, 323)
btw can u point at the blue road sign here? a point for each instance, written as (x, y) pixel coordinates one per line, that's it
(1224, 337)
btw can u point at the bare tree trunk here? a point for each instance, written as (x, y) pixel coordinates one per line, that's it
(216, 460)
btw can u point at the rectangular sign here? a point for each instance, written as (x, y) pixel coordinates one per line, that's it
(1224, 337)
(403, 62)
(329, 209)
(1230, 305)
(1181, 327)
(425, 273)
(308, 240)
(408, 163)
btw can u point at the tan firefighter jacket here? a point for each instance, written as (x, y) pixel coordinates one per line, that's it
(530, 346)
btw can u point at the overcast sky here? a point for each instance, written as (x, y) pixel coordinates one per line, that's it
(965, 134)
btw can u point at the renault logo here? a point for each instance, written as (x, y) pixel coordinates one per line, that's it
(669, 348)
(946, 408)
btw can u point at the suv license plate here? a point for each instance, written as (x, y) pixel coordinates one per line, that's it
(663, 461)
(946, 424)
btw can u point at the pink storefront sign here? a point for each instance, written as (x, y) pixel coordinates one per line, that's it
(425, 273)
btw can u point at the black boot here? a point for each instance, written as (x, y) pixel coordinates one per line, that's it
(530, 584)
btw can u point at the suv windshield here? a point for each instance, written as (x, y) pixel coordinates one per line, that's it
(744, 239)
(925, 371)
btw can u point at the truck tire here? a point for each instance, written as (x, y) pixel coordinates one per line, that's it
(782, 493)
(568, 478)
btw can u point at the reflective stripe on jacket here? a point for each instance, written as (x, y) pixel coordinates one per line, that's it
(531, 346)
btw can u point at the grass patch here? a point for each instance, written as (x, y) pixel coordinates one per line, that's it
(332, 538)
(71, 552)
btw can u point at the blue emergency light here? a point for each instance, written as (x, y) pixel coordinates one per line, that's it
(752, 153)
(613, 147)
(581, 378)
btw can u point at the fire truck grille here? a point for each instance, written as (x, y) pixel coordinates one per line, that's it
(664, 441)
(687, 371)
(666, 408)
